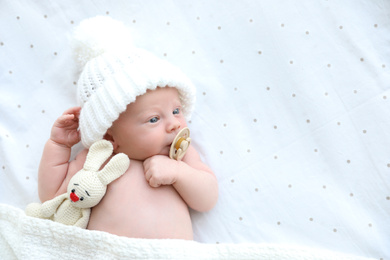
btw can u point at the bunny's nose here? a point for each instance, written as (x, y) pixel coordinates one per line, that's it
(73, 196)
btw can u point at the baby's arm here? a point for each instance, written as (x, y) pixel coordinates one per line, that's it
(54, 164)
(191, 178)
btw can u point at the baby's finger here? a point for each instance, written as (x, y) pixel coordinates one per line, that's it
(154, 183)
(77, 111)
(148, 175)
(73, 111)
(67, 119)
(146, 165)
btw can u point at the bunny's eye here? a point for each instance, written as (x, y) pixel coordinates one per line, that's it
(82, 198)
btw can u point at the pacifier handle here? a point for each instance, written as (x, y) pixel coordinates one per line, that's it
(180, 144)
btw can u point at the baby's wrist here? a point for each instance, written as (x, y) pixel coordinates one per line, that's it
(179, 171)
(59, 144)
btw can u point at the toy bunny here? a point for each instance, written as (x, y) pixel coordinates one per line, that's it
(85, 189)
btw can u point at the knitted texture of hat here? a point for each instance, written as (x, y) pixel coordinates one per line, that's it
(114, 72)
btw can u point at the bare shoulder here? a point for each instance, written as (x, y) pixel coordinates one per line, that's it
(73, 167)
(79, 160)
(77, 164)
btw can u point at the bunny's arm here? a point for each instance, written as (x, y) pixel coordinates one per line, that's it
(50, 207)
(83, 221)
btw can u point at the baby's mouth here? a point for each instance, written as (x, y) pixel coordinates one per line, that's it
(169, 145)
(166, 149)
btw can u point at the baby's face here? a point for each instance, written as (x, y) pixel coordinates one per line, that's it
(149, 125)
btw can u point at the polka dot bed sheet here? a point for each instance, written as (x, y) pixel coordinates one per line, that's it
(292, 109)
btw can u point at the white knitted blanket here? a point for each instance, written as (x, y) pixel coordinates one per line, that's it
(23, 237)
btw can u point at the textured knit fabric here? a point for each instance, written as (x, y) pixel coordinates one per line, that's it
(114, 73)
(23, 237)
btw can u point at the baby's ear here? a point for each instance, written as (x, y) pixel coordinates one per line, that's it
(109, 137)
(115, 168)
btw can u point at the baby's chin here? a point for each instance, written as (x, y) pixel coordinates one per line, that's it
(142, 157)
(165, 150)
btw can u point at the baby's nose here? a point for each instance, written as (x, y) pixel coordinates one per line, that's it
(174, 125)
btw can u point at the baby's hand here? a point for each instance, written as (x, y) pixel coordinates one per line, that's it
(160, 170)
(64, 131)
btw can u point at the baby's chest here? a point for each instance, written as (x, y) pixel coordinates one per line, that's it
(130, 200)
(133, 189)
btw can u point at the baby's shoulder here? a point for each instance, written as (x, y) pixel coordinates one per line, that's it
(80, 159)
(82, 155)
(78, 162)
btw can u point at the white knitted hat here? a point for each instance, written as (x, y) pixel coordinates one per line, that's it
(114, 73)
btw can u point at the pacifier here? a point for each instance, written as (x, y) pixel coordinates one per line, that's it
(180, 144)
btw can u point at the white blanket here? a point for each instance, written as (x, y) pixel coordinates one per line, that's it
(292, 114)
(23, 237)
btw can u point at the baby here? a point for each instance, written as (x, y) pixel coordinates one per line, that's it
(139, 103)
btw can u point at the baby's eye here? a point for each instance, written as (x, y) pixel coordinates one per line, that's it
(176, 111)
(153, 120)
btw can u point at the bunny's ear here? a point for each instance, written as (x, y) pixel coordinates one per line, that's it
(115, 168)
(98, 153)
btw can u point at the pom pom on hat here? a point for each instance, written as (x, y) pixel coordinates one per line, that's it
(114, 73)
(97, 35)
